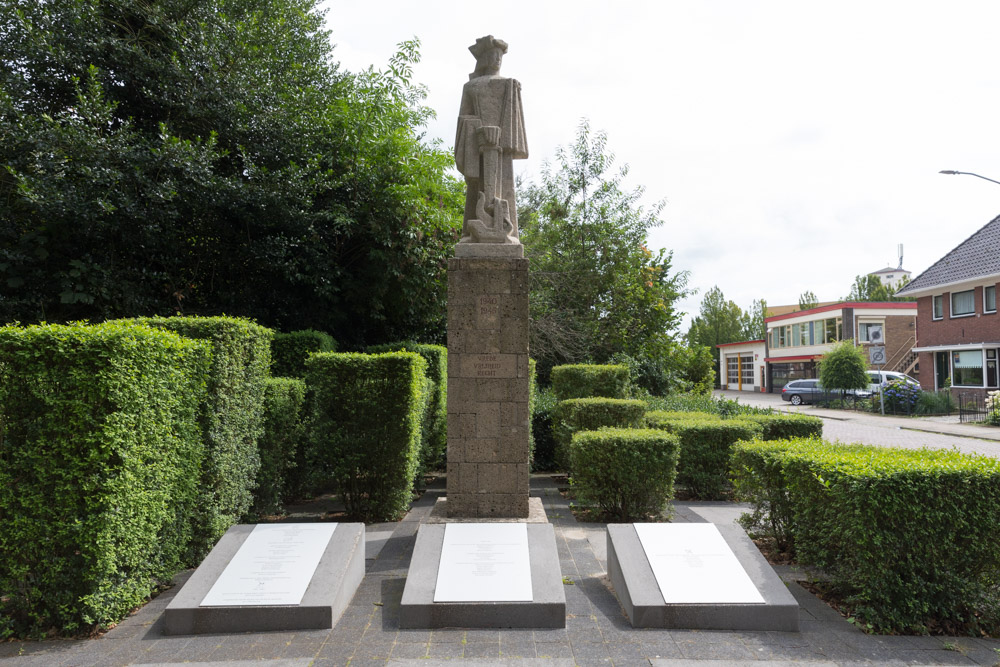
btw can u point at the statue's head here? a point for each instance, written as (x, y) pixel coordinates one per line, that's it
(489, 52)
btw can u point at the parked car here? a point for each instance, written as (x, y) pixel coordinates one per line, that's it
(798, 392)
(881, 378)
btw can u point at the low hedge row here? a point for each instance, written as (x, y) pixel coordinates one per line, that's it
(280, 453)
(909, 536)
(241, 361)
(589, 414)
(783, 425)
(434, 429)
(588, 380)
(628, 473)
(706, 442)
(100, 450)
(289, 351)
(365, 414)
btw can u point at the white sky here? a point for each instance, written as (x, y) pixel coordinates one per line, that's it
(796, 143)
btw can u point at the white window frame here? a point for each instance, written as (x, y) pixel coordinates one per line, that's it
(951, 362)
(994, 288)
(866, 325)
(938, 298)
(951, 304)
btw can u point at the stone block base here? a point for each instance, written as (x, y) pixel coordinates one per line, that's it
(633, 581)
(333, 584)
(547, 609)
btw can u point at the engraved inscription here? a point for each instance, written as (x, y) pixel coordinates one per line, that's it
(488, 305)
(488, 366)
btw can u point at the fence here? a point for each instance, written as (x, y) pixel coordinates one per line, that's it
(974, 408)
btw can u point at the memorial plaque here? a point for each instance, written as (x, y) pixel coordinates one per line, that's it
(272, 567)
(484, 562)
(693, 564)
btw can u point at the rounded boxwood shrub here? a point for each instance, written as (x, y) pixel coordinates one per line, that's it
(586, 380)
(627, 473)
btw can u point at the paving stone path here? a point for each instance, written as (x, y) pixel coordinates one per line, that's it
(597, 631)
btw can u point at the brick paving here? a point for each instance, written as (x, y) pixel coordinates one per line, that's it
(597, 631)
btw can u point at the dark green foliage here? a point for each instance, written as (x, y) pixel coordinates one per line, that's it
(284, 430)
(627, 473)
(209, 157)
(706, 443)
(434, 428)
(723, 407)
(908, 536)
(290, 350)
(542, 407)
(241, 359)
(783, 425)
(100, 444)
(365, 416)
(589, 414)
(677, 369)
(586, 380)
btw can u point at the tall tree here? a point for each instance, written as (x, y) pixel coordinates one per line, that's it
(208, 157)
(807, 300)
(596, 288)
(754, 326)
(719, 321)
(870, 288)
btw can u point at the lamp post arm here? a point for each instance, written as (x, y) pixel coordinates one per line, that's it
(967, 173)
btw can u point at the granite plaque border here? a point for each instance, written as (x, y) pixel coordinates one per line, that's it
(547, 609)
(633, 582)
(330, 590)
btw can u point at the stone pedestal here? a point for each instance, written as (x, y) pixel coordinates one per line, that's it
(488, 416)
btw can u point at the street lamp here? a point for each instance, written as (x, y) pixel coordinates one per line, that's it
(967, 173)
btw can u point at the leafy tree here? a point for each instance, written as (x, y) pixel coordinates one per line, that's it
(596, 288)
(843, 367)
(210, 157)
(754, 326)
(870, 288)
(719, 321)
(807, 300)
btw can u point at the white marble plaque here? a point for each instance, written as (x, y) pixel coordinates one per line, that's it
(273, 566)
(484, 562)
(693, 564)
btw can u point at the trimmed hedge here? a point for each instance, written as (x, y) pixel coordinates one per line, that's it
(234, 421)
(706, 443)
(658, 418)
(782, 425)
(909, 535)
(99, 455)
(590, 414)
(365, 417)
(289, 351)
(587, 380)
(434, 437)
(284, 401)
(628, 473)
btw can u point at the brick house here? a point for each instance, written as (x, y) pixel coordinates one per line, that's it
(958, 328)
(797, 340)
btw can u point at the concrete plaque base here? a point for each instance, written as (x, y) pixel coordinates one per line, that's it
(640, 596)
(547, 609)
(330, 590)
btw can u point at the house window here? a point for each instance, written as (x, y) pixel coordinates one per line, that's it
(804, 334)
(864, 329)
(782, 340)
(963, 303)
(938, 302)
(967, 368)
(795, 335)
(833, 330)
(990, 299)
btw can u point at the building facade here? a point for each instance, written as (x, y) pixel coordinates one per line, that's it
(796, 341)
(742, 367)
(958, 328)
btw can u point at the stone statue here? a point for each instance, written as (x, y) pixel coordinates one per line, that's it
(490, 136)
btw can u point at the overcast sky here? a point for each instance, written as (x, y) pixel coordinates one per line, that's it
(796, 143)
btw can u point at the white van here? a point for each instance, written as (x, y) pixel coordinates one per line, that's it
(878, 379)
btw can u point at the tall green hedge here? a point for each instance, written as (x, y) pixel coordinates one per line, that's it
(589, 414)
(909, 535)
(587, 380)
(290, 350)
(279, 446)
(434, 428)
(706, 443)
(234, 420)
(627, 473)
(365, 421)
(100, 447)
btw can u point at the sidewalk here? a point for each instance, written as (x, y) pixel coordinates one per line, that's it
(597, 631)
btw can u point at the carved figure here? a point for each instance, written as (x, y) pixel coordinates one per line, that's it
(490, 136)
